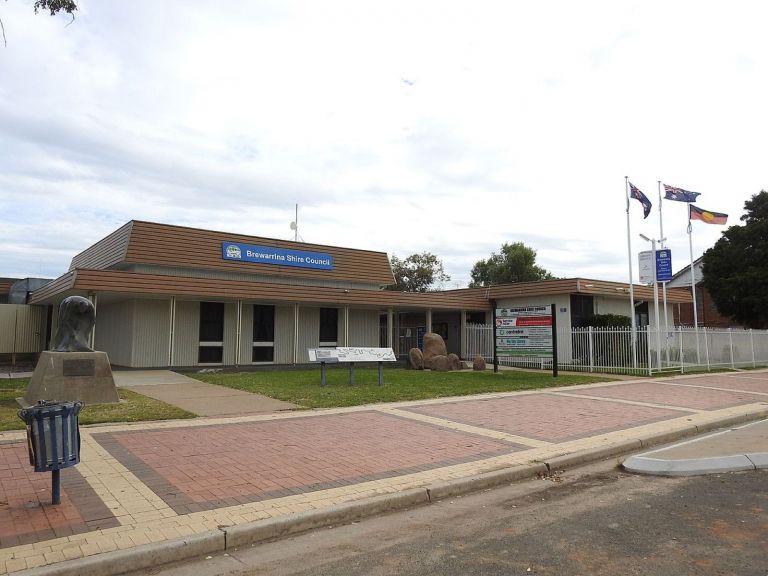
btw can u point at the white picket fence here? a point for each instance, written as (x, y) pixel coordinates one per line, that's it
(610, 349)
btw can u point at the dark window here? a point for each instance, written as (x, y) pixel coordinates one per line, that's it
(582, 310)
(210, 354)
(263, 354)
(263, 333)
(263, 323)
(329, 324)
(475, 317)
(211, 321)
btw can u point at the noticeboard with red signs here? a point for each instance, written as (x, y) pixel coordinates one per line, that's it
(524, 332)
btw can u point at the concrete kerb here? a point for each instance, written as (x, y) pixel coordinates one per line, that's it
(237, 536)
(138, 558)
(149, 555)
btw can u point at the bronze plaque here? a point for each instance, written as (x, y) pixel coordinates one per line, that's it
(79, 368)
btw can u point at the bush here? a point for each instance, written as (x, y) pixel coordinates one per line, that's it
(609, 321)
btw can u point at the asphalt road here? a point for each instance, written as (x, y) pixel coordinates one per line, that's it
(592, 521)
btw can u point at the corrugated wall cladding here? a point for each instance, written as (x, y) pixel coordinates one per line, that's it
(363, 328)
(161, 244)
(246, 333)
(22, 328)
(114, 327)
(284, 335)
(230, 333)
(106, 252)
(309, 332)
(151, 333)
(186, 333)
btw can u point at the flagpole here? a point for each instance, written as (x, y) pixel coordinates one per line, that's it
(693, 287)
(664, 284)
(631, 281)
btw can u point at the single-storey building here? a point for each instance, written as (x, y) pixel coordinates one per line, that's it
(173, 296)
(706, 311)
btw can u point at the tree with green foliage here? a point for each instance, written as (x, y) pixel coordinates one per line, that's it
(515, 263)
(736, 267)
(55, 6)
(418, 273)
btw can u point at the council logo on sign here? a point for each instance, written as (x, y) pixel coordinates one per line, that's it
(233, 251)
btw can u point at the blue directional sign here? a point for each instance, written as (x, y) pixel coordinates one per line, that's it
(664, 265)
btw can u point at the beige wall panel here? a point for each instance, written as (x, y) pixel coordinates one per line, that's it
(150, 334)
(230, 333)
(363, 328)
(309, 332)
(284, 335)
(246, 334)
(115, 323)
(186, 333)
(22, 328)
(54, 324)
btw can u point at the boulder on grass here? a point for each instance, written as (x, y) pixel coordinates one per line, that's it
(456, 363)
(440, 363)
(416, 359)
(434, 345)
(478, 363)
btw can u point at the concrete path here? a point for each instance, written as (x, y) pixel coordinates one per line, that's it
(197, 397)
(740, 448)
(150, 493)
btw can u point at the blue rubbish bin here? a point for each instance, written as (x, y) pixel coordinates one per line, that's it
(53, 438)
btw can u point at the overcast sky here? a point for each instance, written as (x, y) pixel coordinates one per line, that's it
(398, 126)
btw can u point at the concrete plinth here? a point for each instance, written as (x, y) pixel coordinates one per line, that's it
(67, 376)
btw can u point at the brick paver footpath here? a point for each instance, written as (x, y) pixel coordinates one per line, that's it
(160, 482)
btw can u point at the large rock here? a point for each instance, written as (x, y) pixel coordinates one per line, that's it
(478, 363)
(440, 364)
(456, 363)
(416, 359)
(434, 345)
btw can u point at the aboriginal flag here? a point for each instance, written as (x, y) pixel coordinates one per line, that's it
(637, 195)
(695, 213)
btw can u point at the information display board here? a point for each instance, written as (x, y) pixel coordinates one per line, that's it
(351, 354)
(524, 332)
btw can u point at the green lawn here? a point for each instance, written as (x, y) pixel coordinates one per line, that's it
(134, 407)
(302, 387)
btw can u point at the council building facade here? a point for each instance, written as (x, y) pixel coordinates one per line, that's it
(173, 296)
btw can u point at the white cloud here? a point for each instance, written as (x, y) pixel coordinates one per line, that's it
(442, 126)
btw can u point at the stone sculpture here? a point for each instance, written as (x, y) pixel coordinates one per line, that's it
(71, 370)
(76, 319)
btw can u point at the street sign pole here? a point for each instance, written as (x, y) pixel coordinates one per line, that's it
(554, 342)
(495, 336)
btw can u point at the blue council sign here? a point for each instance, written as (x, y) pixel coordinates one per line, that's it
(663, 265)
(279, 256)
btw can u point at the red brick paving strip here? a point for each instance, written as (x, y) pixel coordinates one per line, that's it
(673, 395)
(547, 417)
(201, 468)
(26, 513)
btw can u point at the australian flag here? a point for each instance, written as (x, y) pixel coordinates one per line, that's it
(637, 195)
(672, 193)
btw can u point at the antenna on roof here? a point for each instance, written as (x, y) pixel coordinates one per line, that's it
(295, 225)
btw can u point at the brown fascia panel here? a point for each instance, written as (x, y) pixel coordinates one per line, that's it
(179, 246)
